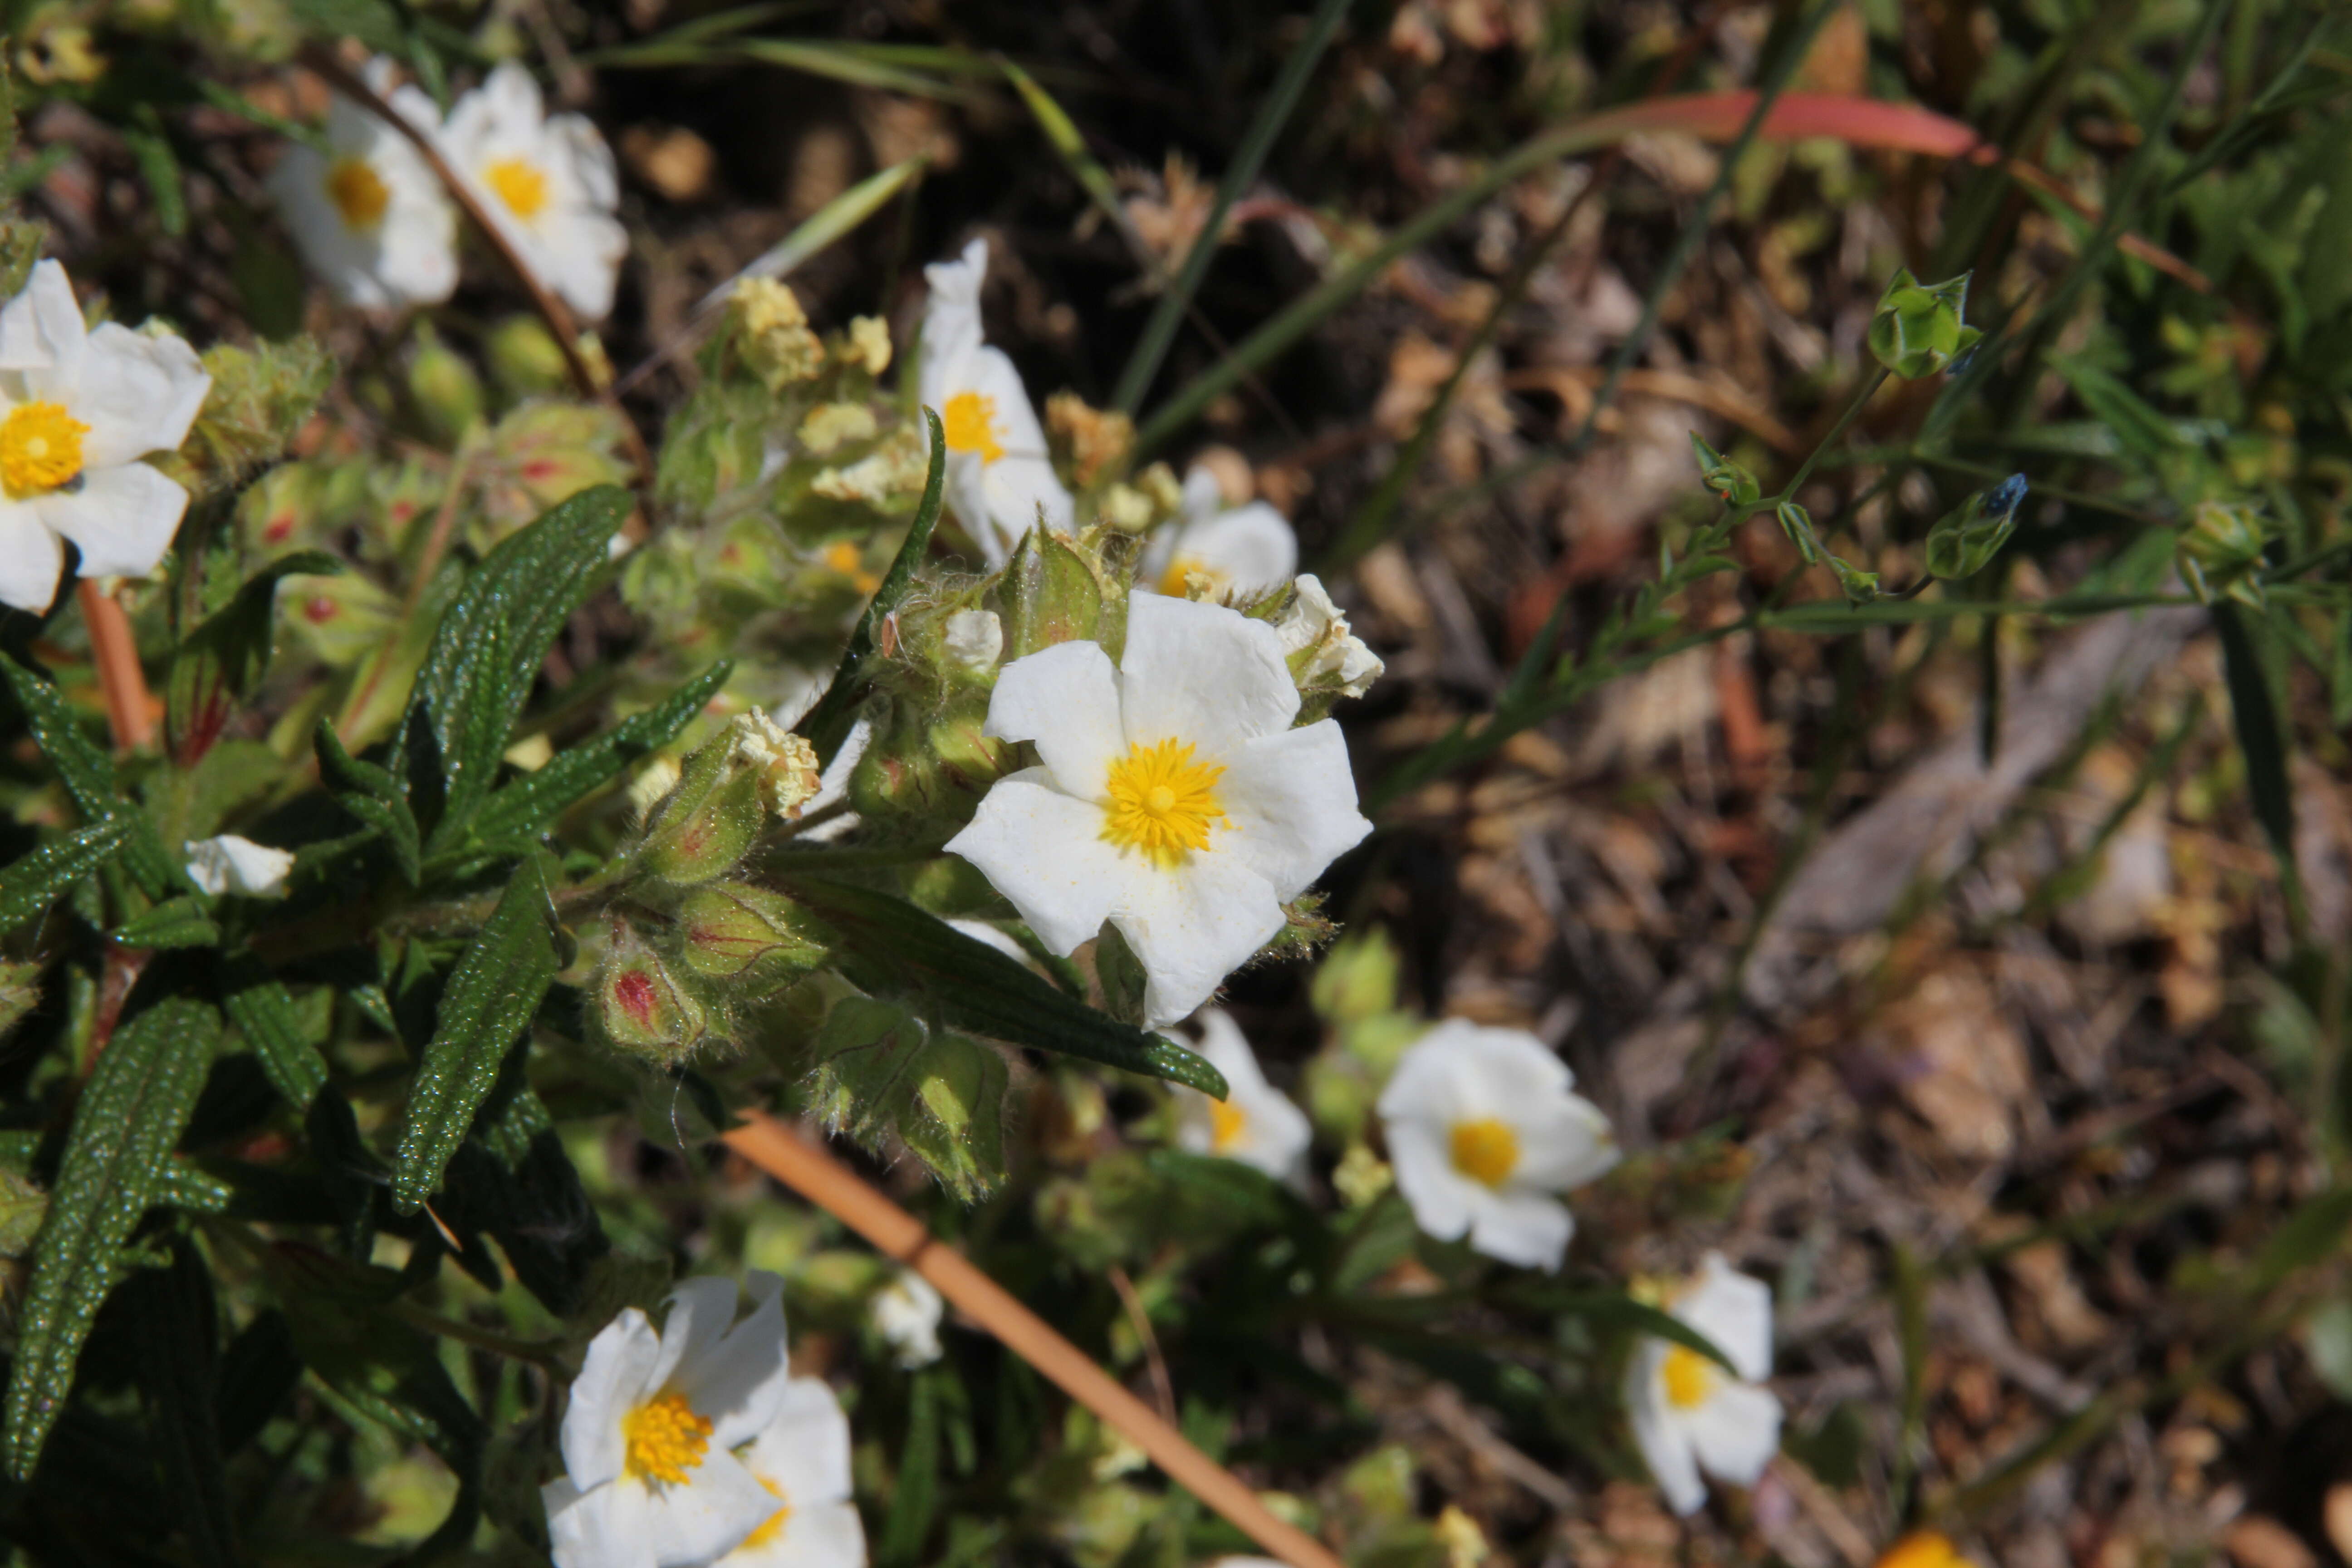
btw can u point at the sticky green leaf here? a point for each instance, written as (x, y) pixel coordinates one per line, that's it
(184, 921)
(88, 774)
(531, 801)
(29, 885)
(497, 987)
(371, 794)
(2262, 739)
(264, 1014)
(901, 948)
(131, 1113)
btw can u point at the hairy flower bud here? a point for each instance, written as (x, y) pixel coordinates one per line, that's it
(2220, 552)
(525, 359)
(444, 384)
(641, 1008)
(1964, 542)
(1727, 479)
(747, 937)
(726, 791)
(1917, 330)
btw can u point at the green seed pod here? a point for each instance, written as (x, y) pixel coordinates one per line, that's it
(1964, 542)
(747, 938)
(1917, 330)
(444, 386)
(642, 1007)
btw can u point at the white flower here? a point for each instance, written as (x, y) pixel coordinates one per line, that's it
(999, 478)
(975, 638)
(232, 865)
(1255, 1123)
(369, 215)
(1689, 1413)
(1311, 621)
(78, 410)
(907, 1311)
(651, 1480)
(1173, 797)
(1245, 548)
(802, 1458)
(547, 182)
(1484, 1133)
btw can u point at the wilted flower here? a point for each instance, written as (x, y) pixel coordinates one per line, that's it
(547, 182)
(650, 1475)
(78, 410)
(1318, 644)
(232, 865)
(906, 1313)
(367, 213)
(1172, 797)
(1000, 481)
(1485, 1134)
(1689, 1415)
(1244, 549)
(1255, 1123)
(773, 334)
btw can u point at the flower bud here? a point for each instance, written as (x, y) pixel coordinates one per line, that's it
(445, 386)
(974, 640)
(748, 937)
(642, 1009)
(1052, 593)
(1964, 542)
(2220, 552)
(1917, 330)
(726, 791)
(525, 359)
(1727, 479)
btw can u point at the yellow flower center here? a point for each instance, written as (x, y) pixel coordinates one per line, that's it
(774, 1525)
(969, 422)
(665, 1437)
(1689, 1377)
(1162, 802)
(41, 448)
(358, 192)
(519, 182)
(1923, 1548)
(1228, 1122)
(1485, 1150)
(1171, 582)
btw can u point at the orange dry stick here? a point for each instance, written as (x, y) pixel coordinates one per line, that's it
(116, 654)
(834, 1187)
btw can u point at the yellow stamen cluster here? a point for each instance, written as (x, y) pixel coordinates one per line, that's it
(1226, 1124)
(358, 192)
(1924, 1549)
(1174, 582)
(969, 422)
(41, 448)
(775, 1522)
(1162, 802)
(1485, 1150)
(666, 1439)
(520, 184)
(1689, 1377)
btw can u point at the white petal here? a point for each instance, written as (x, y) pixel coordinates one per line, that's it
(823, 1535)
(951, 330)
(587, 159)
(232, 865)
(700, 1310)
(1204, 496)
(42, 329)
(1564, 1143)
(738, 1384)
(1064, 700)
(995, 937)
(30, 559)
(1528, 1228)
(804, 1451)
(583, 1532)
(1664, 1444)
(121, 518)
(975, 639)
(1201, 674)
(1021, 494)
(1043, 850)
(1250, 549)
(138, 392)
(1191, 925)
(1441, 1197)
(613, 1380)
(1735, 1432)
(907, 1314)
(578, 255)
(1273, 1134)
(1735, 1312)
(719, 1505)
(1291, 798)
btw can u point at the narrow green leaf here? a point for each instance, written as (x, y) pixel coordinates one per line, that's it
(483, 655)
(371, 794)
(822, 227)
(130, 1114)
(828, 722)
(33, 882)
(489, 999)
(1069, 145)
(264, 1014)
(912, 1496)
(2262, 740)
(978, 988)
(1616, 1310)
(531, 801)
(178, 1341)
(218, 663)
(184, 921)
(88, 774)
